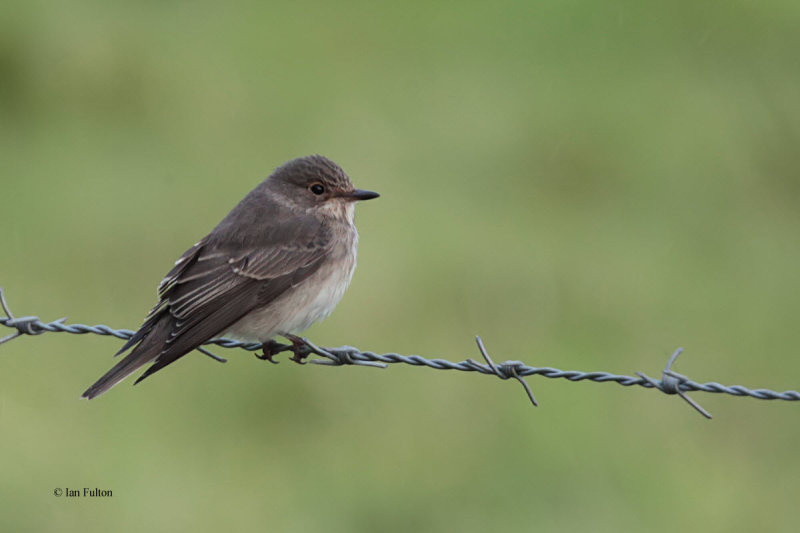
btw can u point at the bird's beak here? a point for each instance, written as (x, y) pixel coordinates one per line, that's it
(358, 194)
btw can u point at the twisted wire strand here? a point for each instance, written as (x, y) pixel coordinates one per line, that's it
(671, 382)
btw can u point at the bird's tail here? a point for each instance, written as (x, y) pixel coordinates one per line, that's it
(145, 352)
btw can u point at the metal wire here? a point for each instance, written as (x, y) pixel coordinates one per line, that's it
(671, 382)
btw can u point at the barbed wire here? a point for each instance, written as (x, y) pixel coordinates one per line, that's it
(671, 382)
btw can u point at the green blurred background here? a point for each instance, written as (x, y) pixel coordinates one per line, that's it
(585, 186)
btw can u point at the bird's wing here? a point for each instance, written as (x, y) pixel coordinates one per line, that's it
(219, 288)
(210, 288)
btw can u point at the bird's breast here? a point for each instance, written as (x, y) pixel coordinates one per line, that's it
(311, 300)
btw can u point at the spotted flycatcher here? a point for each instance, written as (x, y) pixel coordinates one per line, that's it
(277, 263)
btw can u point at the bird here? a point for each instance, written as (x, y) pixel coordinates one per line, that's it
(278, 262)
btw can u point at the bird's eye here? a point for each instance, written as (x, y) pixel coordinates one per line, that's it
(317, 189)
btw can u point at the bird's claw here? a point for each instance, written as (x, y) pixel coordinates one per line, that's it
(300, 348)
(270, 349)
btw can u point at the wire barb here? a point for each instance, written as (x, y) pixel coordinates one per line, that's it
(339, 357)
(213, 356)
(25, 325)
(505, 370)
(671, 382)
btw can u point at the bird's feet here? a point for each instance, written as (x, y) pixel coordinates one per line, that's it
(270, 349)
(300, 348)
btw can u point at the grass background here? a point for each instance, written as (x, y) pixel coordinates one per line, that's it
(586, 186)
